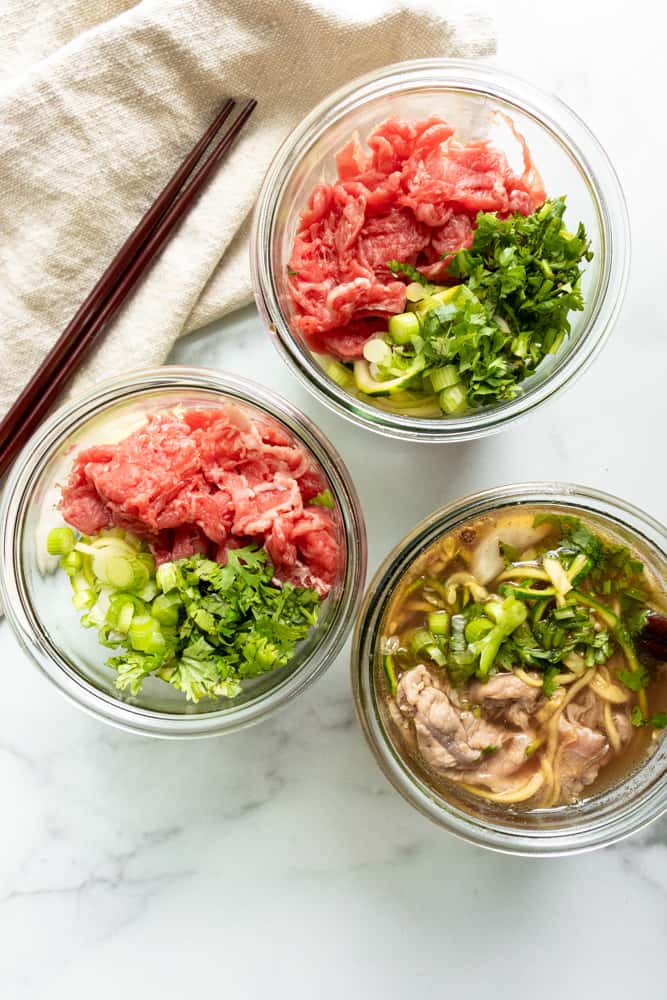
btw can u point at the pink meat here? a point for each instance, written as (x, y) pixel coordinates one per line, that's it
(206, 482)
(412, 196)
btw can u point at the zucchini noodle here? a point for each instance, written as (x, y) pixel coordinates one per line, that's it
(526, 678)
(463, 579)
(610, 726)
(523, 572)
(606, 689)
(549, 780)
(526, 791)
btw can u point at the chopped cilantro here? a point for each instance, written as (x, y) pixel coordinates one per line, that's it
(232, 623)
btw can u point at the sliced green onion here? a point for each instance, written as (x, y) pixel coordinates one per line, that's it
(145, 635)
(116, 570)
(436, 654)
(60, 541)
(443, 378)
(453, 399)
(376, 351)
(477, 628)
(83, 599)
(165, 608)
(167, 577)
(72, 563)
(125, 616)
(420, 638)
(439, 622)
(403, 327)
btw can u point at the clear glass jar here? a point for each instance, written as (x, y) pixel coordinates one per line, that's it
(603, 818)
(37, 601)
(467, 94)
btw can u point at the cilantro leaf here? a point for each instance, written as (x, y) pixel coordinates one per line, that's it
(634, 680)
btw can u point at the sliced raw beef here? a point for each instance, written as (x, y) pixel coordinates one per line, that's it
(208, 481)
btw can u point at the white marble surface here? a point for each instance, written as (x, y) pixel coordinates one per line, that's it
(278, 861)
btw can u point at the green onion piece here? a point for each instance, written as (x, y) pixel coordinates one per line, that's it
(117, 570)
(439, 622)
(125, 616)
(436, 654)
(165, 609)
(403, 327)
(443, 378)
(83, 599)
(376, 351)
(80, 583)
(145, 635)
(453, 399)
(72, 563)
(419, 639)
(141, 574)
(148, 591)
(476, 628)
(60, 541)
(167, 577)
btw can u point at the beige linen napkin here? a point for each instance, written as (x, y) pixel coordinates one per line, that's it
(99, 102)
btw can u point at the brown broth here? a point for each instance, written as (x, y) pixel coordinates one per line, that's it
(460, 551)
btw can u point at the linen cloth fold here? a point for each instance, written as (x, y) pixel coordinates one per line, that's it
(99, 102)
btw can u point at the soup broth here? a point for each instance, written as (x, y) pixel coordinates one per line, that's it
(522, 657)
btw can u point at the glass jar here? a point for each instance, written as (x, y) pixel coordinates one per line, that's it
(37, 601)
(474, 97)
(601, 819)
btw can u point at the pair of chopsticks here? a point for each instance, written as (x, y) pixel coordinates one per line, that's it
(118, 281)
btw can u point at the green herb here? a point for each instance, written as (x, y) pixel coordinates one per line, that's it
(323, 499)
(657, 721)
(396, 267)
(291, 272)
(488, 751)
(635, 680)
(201, 626)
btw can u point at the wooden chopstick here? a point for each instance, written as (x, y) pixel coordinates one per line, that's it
(116, 284)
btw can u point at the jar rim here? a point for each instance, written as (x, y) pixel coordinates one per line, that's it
(75, 415)
(614, 822)
(577, 141)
